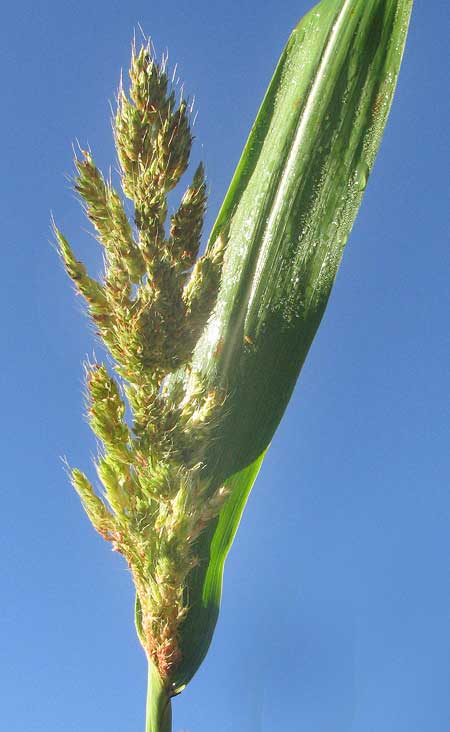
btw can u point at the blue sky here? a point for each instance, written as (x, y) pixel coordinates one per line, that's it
(336, 598)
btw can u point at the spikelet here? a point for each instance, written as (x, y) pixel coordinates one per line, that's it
(99, 515)
(186, 224)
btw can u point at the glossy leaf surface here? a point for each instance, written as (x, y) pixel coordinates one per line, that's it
(284, 223)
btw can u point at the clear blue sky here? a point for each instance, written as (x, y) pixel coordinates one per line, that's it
(335, 616)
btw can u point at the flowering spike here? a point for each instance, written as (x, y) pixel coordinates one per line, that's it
(99, 515)
(91, 290)
(106, 212)
(150, 319)
(187, 223)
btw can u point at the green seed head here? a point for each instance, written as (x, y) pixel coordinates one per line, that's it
(150, 310)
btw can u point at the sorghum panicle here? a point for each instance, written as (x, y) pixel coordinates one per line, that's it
(149, 310)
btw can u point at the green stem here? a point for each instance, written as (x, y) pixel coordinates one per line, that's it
(159, 707)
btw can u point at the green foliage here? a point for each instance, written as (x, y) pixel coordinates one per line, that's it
(284, 224)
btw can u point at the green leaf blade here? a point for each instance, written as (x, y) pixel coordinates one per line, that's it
(205, 585)
(290, 209)
(284, 222)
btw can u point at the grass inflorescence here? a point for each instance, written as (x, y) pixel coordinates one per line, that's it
(149, 310)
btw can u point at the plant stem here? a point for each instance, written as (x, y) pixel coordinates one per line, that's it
(159, 707)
